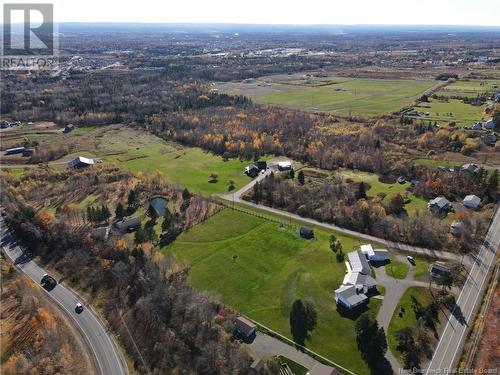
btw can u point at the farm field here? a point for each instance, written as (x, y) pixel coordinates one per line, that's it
(339, 95)
(138, 150)
(470, 88)
(408, 319)
(260, 268)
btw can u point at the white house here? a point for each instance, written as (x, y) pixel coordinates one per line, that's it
(358, 262)
(375, 255)
(472, 202)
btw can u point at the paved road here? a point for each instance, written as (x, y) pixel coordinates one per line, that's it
(265, 346)
(391, 245)
(106, 358)
(449, 347)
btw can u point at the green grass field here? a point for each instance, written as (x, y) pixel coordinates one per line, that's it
(341, 95)
(397, 269)
(408, 319)
(470, 88)
(260, 268)
(436, 163)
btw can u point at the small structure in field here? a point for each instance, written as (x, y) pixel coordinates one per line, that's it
(437, 269)
(285, 166)
(80, 162)
(15, 150)
(128, 224)
(69, 128)
(244, 327)
(306, 233)
(472, 202)
(321, 369)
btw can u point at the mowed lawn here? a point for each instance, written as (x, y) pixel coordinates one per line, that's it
(408, 319)
(452, 111)
(344, 96)
(189, 166)
(260, 268)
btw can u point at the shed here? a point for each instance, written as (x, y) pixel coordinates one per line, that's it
(68, 128)
(306, 233)
(80, 162)
(284, 165)
(472, 202)
(245, 327)
(15, 150)
(437, 269)
(100, 233)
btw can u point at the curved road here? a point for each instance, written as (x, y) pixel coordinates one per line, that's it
(106, 357)
(391, 245)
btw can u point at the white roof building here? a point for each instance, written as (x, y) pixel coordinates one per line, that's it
(472, 202)
(377, 255)
(80, 162)
(358, 262)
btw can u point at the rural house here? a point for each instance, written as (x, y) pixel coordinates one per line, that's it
(68, 128)
(306, 233)
(80, 162)
(244, 327)
(439, 206)
(100, 233)
(252, 170)
(472, 202)
(350, 296)
(358, 262)
(284, 166)
(128, 224)
(437, 269)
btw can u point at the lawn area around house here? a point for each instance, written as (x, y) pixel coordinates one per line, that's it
(408, 319)
(296, 368)
(390, 190)
(397, 269)
(259, 268)
(436, 163)
(341, 95)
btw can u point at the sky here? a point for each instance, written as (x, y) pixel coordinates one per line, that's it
(343, 12)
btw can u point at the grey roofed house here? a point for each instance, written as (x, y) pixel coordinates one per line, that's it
(439, 204)
(128, 224)
(350, 296)
(469, 167)
(245, 326)
(472, 202)
(358, 262)
(80, 162)
(321, 369)
(437, 269)
(68, 128)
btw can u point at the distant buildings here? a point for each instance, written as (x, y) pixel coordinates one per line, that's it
(80, 162)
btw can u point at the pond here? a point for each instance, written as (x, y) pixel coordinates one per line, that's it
(159, 204)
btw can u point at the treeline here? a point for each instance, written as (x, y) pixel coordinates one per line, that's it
(346, 205)
(146, 297)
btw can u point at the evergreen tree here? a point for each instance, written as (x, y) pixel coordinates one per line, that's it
(361, 193)
(301, 178)
(119, 211)
(298, 322)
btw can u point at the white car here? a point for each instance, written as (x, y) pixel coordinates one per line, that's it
(410, 259)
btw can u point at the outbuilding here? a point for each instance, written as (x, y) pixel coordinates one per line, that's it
(80, 162)
(375, 255)
(245, 327)
(284, 166)
(68, 128)
(439, 205)
(350, 296)
(306, 233)
(128, 224)
(15, 150)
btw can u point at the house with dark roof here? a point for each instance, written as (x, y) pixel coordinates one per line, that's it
(68, 128)
(437, 269)
(100, 233)
(128, 224)
(470, 168)
(375, 255)
(252, 170)
(439, 206)
(350, 296)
